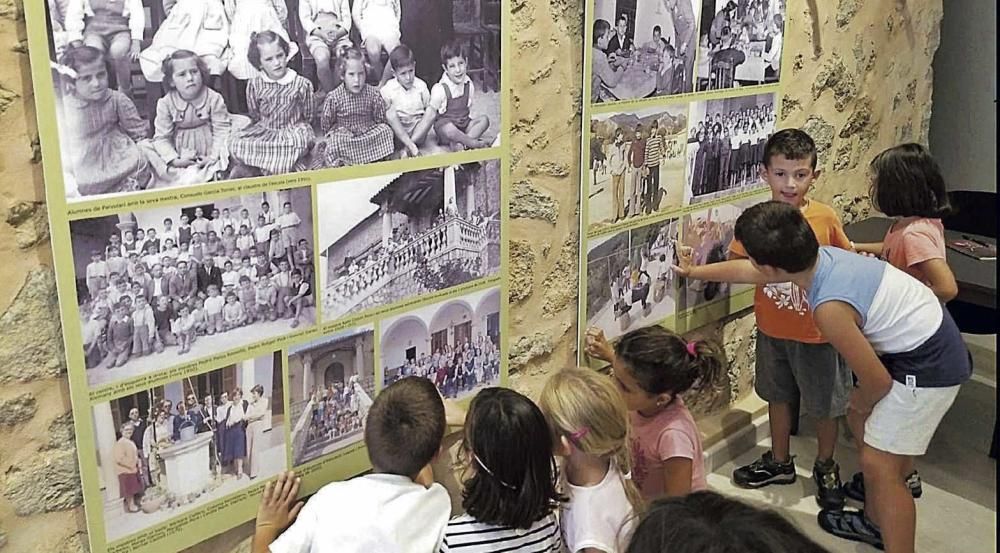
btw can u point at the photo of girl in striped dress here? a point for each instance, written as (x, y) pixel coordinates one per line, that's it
(281, 108)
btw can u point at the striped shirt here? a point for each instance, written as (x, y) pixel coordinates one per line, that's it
(654, 150)
(464, 535)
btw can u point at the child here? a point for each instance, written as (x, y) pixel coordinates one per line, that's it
(276, 251)
(192, 124)
(265, 210)
(398, 507)
(248, 299)
(281, 107)
(378, 22)
(162, 316)
(326, 25)
(201, 26)
(247, 270)
(589, 422)
(652, 367)
(262, 234)
(229, 248)
(451, 97)
(353, 119)
(266, 298)
(144, 327)
(244, 241)
(117, 265)
(120, 334)
(794, 361)
(213, 310)
(233, 315)
(183, 230)
(184, 328)
(112, 28)
(289, 223)
(301, 299)
(707, 521)
(97, 273)
(103, 129)
(250, 18)
(152, 239)
(908, 184)
(94, 335)
(667, 70)
(510, 498)
(199, 317)
(230, 277)
(304, 260)
(408, 100)
(227, 219)
(902, 345)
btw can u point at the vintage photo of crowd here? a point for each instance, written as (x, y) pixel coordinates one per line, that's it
(630, 283)
(172, 284)
(454, 343)
(398, 236)
(708, 233)
(637, 163)
(170, 449)
(643, 49)
(331, 381)
(179, 92)
(740, 43)
(726, 145)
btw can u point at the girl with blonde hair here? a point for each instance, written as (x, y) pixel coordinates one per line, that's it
(590, 427)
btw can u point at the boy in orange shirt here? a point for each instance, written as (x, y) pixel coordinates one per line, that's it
(793, 359)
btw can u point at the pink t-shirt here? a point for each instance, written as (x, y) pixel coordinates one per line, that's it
(671, 433)
(913, 240)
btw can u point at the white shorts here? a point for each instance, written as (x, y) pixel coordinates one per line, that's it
(904, 421)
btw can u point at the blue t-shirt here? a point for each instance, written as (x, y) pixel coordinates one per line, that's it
(900, 316)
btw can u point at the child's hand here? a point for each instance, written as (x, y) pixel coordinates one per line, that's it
(278, 509)
(597, 345)
(133, 52)
(684, 261)
(412, 149)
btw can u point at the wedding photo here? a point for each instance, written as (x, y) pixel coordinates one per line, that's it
(176, 93)
(174, 448)
(629, 280)
(637, 163)
(740, 43)
(398, 236)
(170, 285)
(454, 343)
(331, 382)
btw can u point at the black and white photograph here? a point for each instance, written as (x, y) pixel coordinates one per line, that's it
(708, 233)
(331, 383)
(725, 145)
(630, 283)
(174, 448)
(454, 343)
(398, 236)
(636, 163)
(154, 94)
(739, 43)
(170, 285)
(643, 49)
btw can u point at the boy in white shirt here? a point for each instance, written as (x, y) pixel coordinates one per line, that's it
(408, 98)
(397, 508)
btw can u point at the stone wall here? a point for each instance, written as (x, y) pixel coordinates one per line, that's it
(858, 79)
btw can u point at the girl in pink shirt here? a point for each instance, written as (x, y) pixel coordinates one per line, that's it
(652, 368)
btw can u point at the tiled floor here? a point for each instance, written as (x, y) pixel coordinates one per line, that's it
(957, 512)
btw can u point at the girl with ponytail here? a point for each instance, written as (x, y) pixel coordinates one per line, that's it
(590, 429)
(652, 367)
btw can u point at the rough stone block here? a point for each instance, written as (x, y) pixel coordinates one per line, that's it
(32, 346)
(48, 482)
(527, 202)
(17, 410)
(522, 267)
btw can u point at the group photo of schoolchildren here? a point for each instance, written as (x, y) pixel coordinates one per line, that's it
(173, 284)
(162, 93)
(725, 144)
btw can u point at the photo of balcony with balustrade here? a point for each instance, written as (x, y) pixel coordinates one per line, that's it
(394, 237)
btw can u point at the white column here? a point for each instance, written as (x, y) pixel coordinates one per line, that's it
(470, 197)
(307, 361)
(104, 430)
(449, 187)
(247, 379)
(386, 224)
(359, 356)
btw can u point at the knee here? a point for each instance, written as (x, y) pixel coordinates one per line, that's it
(322, 57)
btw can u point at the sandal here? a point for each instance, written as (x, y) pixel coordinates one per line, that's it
(851, 525)
(855, 489)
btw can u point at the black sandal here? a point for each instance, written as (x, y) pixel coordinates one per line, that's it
(851, 525)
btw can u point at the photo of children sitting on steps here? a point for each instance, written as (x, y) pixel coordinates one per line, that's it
(168, 93)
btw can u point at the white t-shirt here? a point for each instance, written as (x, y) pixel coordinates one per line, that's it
(376, 512)
(597, 516)
(213, 304)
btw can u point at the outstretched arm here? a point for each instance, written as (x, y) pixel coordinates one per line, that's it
(740, 271)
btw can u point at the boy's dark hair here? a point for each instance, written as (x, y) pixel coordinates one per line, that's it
(401, 56)
(794, 144)
(660, 361)
(776, 234)
(78, 56)
(264, 37)
(168, 67)
(601, 28)
(707, 522)
(452, 49)
(405, 427)
(515, 476)
(656, 29)
(908, 182)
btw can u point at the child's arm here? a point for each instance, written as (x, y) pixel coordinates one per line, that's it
(438, 101)
(872, 248)
(163, 135)
(839, 324)
(739, 271)
(252, 108)
(129, 120)
(397, 128)
(677, 476)
(379, 107)
(328, 118)
(136, 26)
(939, 277)
(278, 509)
(221, 126)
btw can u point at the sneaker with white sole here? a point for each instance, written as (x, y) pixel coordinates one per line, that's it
(765, 471)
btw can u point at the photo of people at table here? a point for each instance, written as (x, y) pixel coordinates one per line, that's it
(739, 43)
(725, 145)
(643, 48)
(630, 283)
(637, 163)
(164, 93)
(174, 448)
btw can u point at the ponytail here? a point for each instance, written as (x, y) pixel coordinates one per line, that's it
(664, 362)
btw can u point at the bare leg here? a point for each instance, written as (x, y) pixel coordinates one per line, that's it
(888, 502)
(780, 419)
(451, 134)
(324, 71)
(118, 52)
(374, 50)
(826, 438)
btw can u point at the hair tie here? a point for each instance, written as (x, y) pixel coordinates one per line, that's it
(63, 70)
(490, 472)
(691, 348)
(578, 435)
